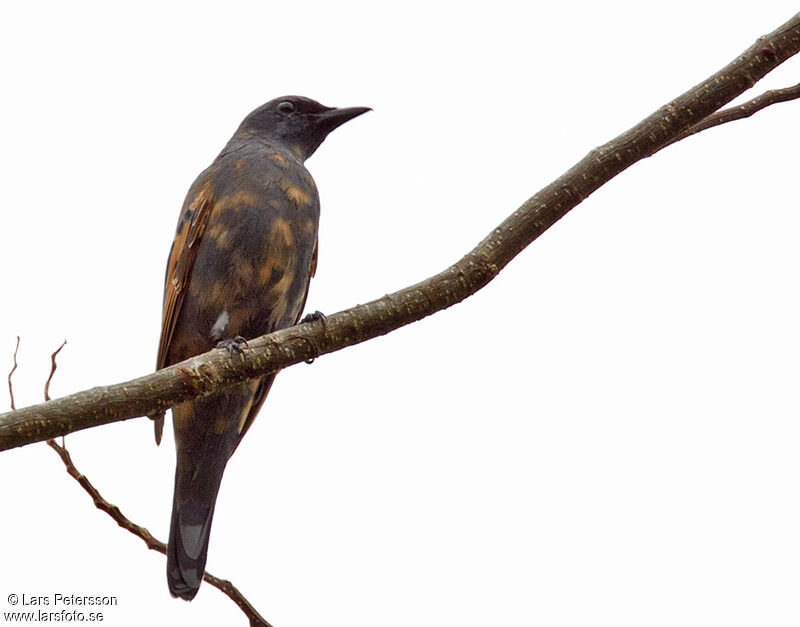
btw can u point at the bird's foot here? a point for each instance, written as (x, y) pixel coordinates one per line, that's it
(233, 345)
(316, 316)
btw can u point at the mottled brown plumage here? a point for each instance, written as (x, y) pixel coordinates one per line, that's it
(240, 265)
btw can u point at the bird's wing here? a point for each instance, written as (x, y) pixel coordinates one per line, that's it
(182, 255)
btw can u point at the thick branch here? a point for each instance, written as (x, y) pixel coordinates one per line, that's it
(209, 372)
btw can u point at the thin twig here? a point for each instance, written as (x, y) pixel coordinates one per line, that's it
(11, 387)
(53, 367)
(744, 110)
(225, 586)
(154, 544)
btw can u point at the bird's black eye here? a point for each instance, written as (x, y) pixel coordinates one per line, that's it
(285, 107)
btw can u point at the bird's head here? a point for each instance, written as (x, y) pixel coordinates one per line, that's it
(299, 123)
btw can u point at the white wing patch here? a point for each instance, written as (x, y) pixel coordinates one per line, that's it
(220, 325)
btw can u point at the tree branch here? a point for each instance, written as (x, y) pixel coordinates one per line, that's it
(211, 371)
(225, 586)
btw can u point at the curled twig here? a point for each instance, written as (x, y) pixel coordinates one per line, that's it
(11, 372)
(53, 367)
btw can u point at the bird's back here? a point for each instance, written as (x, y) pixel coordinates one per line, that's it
(258, 209)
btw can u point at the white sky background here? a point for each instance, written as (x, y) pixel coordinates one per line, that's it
(605, 435)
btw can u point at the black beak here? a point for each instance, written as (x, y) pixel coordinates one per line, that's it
(333, 118)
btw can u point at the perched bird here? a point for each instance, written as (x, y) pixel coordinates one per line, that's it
(240, 265)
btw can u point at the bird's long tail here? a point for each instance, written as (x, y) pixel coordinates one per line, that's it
(207, 431)
(190, 528)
